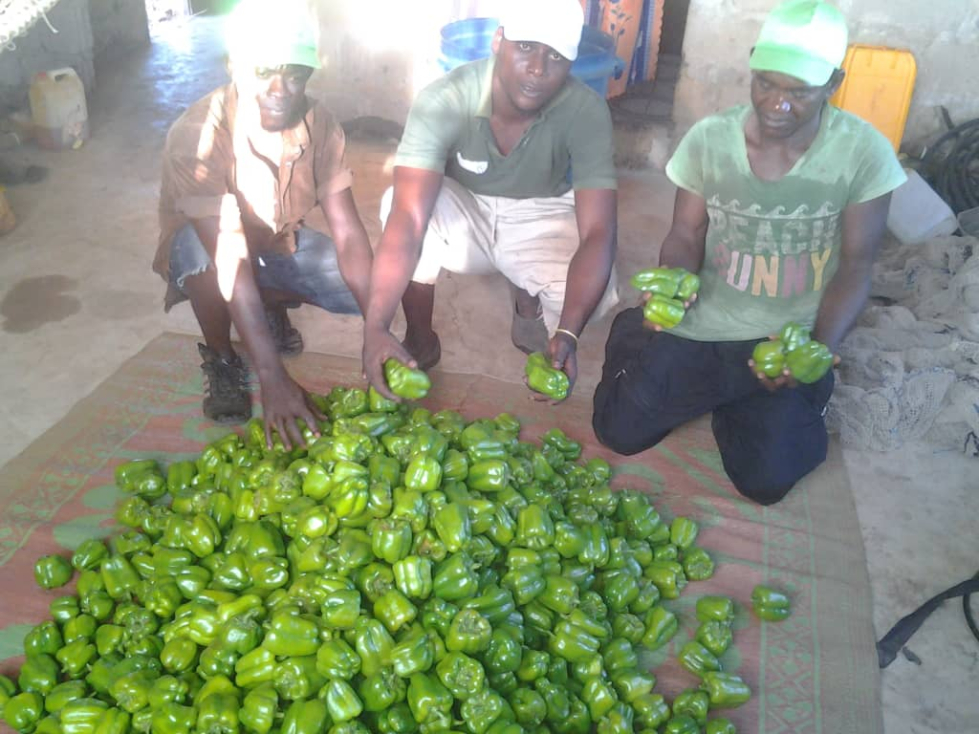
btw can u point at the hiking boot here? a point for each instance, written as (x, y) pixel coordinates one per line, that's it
(528, 334)
(226, 398)
(288, 341)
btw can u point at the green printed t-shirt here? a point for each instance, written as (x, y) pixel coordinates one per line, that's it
(568, 145)
(773, 246)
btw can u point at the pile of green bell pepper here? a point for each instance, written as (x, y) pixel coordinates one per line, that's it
(805, 359)
(669, 289)
(405, 572)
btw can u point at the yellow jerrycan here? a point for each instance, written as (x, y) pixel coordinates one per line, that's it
(58, 109)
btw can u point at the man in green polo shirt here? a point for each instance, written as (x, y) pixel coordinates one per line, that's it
(780, 207)
(505, 166)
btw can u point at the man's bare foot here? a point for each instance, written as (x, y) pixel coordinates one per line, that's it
(426, 349)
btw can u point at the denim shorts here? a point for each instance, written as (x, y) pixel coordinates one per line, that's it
(312, 272)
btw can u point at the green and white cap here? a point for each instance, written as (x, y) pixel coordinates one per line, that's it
(801, 38)
(271, 33)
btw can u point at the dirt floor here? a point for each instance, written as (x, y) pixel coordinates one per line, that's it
(77, 298)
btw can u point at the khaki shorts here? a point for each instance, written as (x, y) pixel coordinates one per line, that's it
(530, 241)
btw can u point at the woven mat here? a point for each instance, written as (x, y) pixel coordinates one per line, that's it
(814, 673)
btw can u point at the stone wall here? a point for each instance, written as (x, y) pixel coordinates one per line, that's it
(41, 50)
(943, 36)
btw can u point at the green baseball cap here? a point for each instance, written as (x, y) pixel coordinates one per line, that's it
(271, 33)
(801, 38)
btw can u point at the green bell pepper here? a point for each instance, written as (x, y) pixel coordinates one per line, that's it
(113, 721)
(770, 604)
(668, 577)
(305, 717)
(489, 475)
(373, 644)
(23, 711)
(258, 709)
(455, 578)
(793, 336)
(681, 724)
(44, 639)
(292, 635)
(423, 473)
(651, 710)
(430, 702)
(529, 707)
(38, 674)
(62, 693)
(720, 726)
(413, 654)
(663, 311)
(545, 379)
(337, 660)
(52, 571)
(298, 677)
(504, 653)
(697, 564)
(395, 610)
(470, 632)
(217, 713)
(629, 627)
(132, 691)
(82, 715)
(453, 526)
(413, 576)
(692, 703)
(179, 655)
(172, 718)
(255, 668)
(715, 608)
(715, 636)
(725, 690)
(769, 357)
(809, 362)
(75, 656)
(406, 382)
(697, 659)
(481, 710)
(89, 554)
(461, 675)
(340, 609)
(661, 625)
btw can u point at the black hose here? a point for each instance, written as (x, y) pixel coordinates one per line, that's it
(951, 166)
(967, 609)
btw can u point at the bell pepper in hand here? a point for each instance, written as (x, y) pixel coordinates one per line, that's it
(662, 311)
(770, 604)
(544, 379)
(793, 336)
(769, 357)
(725, 690)
(406, 382)
(809, 362)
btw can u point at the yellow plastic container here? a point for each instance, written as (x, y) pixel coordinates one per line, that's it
(877, 87)
(58, 109)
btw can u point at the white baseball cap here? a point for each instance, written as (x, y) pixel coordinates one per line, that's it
(555, 23)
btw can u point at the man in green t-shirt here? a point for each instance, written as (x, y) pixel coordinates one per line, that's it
(505, 166)
(780, 208)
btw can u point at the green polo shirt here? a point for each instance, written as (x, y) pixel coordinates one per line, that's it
(568, 145)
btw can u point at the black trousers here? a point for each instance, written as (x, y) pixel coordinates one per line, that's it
(653, 382)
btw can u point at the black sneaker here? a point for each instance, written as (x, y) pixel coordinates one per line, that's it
(288, 340)
(226, 398)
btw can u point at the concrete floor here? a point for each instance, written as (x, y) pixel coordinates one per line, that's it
(77, 298)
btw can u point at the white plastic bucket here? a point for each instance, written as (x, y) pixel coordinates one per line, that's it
(917, 213)
(58, 109)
